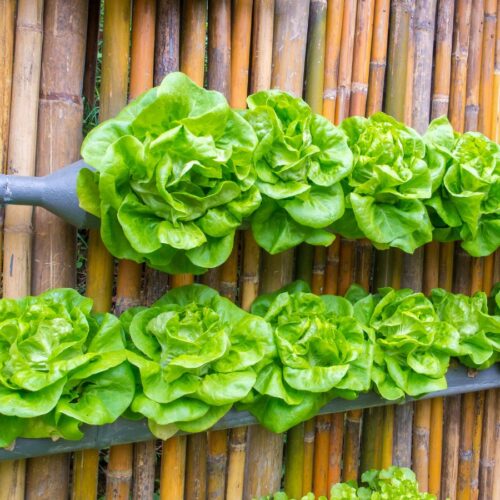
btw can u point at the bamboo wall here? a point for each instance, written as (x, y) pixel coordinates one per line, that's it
(415, 59)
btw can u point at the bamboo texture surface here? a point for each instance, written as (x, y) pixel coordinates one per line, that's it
(415, 59)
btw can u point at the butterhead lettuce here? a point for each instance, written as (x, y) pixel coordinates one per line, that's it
(300, 159)
(321, 350)
(174, 177)
(385, 189)
(197, 353)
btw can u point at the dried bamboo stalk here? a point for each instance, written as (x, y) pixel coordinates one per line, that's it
(334, 13)
(425, 17)
(387, 436)
(487, 110)
(168, 15)
(436, 268)
(371, 446)
(321, 454)
(495, 121)
(196, 467)
(307, 471)
(7, 28)
(345, 61)
(114, 86)
(336, 443)
(488, 442)
(378, 62)
(92, 42)
(265, 449)
(59, 137)
(192, 62)
(294, 461)
(173, 468)
(236, 462)
(21, 161)
(193, 34)
(361, 62)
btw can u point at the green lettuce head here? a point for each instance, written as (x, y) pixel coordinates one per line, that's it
(174, 177)
(479, 332)
(299, 160)
(472, 183)
(321, 350)
(391, 483)
(385, 189)
(413, 345)
(60, 365)
(197, 353)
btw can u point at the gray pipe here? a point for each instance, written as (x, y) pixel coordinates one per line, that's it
(55, 192)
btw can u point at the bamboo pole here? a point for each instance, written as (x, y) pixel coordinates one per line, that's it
(472, 403)
(372, 419)
(488, 442)
(335, 13)
(92, 44)
(210, 450)
(21, 161)
(420, 37)
(299, 456)
(7, 27)
(345, 61)
(114, 85)
(434, 276)
(168, 14)
(121, 458)
(265, 449)
(378, 62)
(425, 17)
(59, 137)
(487, 110)
(192, 62)
(495, 121)
(231, 454)
(461, 280)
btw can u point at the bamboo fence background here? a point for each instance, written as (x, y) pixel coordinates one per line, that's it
(415, 59)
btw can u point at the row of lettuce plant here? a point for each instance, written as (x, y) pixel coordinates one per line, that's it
(390, 483)
(185, 361)
(178, 172)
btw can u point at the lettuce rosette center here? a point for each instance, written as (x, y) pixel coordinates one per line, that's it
(174, 177)
(197, 353)
(299, 160)
(322, 350)
(385, 189)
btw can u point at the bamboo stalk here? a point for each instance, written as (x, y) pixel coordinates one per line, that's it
(121, 458)
(334, 12)
(321, 454)
(436, 267)
(294, 461)
(461, 280)
(59, 137)
(378, 62)
(361, 62)
(265, 449)
(336, 443)
(387, 437)
(487, 110)
(495, 121)
(432, 276)
(307, 472)
(92, 44)
(371, 446)
(192, 62)
(425, 15)
(168, 14)
(345, 61)
(236, 462)
(114, 86)
(173, 468)
(196, 467)
(21, 161)
(488, 441)
(193, 33)
(473, 404)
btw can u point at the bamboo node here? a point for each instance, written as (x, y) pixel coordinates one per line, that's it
(323, 426)
(358, 87)
(330, 94)
(466, 455)
(119, 474)
(378, 64)
(61, 96)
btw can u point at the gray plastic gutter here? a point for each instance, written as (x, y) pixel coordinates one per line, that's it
(460, 381)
